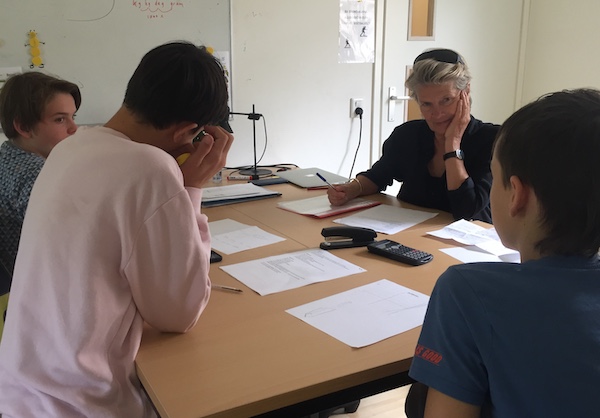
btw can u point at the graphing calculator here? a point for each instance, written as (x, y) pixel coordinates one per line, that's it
(399, 252)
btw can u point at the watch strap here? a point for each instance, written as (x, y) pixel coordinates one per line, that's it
(454, 154)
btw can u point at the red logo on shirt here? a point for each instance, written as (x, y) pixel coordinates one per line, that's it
(428, 354)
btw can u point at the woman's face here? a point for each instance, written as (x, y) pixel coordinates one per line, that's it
(438, 104)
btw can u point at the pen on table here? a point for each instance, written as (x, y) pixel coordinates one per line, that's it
(229, 288)
(323, 178)
(239, 177)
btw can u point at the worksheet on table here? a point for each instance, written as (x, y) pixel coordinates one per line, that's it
(291, 270)
(366, 314)
(229, 236)
(387, 219)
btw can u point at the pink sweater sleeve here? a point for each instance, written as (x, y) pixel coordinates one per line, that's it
(168, 269)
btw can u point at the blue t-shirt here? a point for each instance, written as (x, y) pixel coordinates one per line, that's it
(525, 336)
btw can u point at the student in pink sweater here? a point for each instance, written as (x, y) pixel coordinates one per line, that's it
(113, 237)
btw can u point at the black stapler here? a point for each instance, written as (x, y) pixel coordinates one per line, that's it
(346, 237)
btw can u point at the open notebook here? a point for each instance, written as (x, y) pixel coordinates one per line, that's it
(307, 177)
(319, 206)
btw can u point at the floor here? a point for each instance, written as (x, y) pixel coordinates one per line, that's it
(384, 405)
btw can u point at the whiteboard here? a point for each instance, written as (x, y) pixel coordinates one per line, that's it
(98, 44)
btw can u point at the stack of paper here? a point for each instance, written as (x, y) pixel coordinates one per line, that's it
(226, 195)
(482, 244)
(319, 207)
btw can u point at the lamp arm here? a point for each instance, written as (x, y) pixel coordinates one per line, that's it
(251, 116)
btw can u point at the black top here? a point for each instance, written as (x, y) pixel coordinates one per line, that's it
(409, 149)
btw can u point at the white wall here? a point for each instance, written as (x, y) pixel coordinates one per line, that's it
(488, 34)
(284, 60)
(561, 48)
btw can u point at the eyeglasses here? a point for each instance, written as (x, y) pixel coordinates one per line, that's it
(440, 55)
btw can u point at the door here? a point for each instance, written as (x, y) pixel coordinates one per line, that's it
(486, 32)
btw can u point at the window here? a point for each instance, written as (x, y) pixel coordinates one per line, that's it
(420, 24)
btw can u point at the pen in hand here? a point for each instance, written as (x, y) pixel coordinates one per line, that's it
(323, 178)
(229, 288)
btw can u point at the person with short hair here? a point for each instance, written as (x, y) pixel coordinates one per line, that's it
(443, 161)
(114, 238)
(523, 339)
(37, 111)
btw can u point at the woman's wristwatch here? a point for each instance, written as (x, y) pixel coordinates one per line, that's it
(454, 154)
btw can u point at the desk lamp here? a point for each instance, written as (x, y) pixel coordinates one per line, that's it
(253, 171)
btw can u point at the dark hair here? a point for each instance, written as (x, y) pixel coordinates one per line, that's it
(24, 97)
(553, 145)
(178, 82)
(441, 55)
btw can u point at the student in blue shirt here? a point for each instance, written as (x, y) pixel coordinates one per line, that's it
(37, 111)
(523, 340)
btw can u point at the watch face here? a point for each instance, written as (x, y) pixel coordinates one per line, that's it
(459, 154)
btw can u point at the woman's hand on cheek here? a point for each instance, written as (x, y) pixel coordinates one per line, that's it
(459, 123)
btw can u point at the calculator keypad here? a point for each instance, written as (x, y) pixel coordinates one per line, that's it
(399, 252)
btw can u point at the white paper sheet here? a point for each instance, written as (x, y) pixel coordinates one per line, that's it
(496, 248)
(480, 238)
(464, 232)
(224, 226)
(357, 31)
(473, 254)
(366, 314)
(386, 219)
(229, 236)
(292, 270)
(234, 191)
(320, 207)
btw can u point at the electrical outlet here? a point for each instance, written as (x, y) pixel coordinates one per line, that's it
(354, 104)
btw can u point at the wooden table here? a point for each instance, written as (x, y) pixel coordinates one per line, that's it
(247, 356)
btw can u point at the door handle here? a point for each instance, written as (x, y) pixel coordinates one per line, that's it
(399, 97)
(392, 103)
